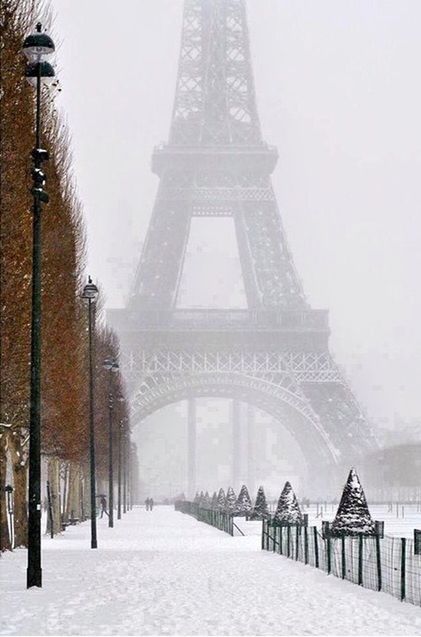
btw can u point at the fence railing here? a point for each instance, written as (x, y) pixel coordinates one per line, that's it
(388, 564)
(219, 519)
(379, 563)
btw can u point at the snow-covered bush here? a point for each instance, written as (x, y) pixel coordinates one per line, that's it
(243, 505)
(221, 504)
(260, 510)
(288, 510)
(230, 500)
(353, 516)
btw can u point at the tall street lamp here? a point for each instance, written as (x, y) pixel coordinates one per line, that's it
(120, 462)
(90, 295)
(36, 46)
(125, 463)
(112, 366)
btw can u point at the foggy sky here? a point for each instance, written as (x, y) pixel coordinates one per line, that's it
(339, 94)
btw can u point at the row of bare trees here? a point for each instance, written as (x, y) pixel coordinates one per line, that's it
(64, 324)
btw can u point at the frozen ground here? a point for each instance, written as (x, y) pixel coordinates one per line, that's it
(399, 520)
(164, 573)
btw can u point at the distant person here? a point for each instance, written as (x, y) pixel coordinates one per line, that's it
(147, 503)
(103, 503)
(150, 504)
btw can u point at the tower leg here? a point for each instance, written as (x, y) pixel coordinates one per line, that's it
(251, 468)
(191, 447)
(236, 443)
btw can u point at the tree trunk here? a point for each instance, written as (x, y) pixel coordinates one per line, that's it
(20, 483)
(86, 492)
(64, 474)
(74, 492)
(4, 529)
(54, 481)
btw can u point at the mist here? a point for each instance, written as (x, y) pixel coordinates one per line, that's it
(337, 95)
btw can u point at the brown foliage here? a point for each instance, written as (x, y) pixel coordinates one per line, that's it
(64, 319)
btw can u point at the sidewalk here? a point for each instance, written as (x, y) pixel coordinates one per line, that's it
(165, 573)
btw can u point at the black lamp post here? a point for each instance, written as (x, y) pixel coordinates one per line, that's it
(112, 366)
(36, 46)
(9, 495)
(120, 426)
(90, 295)
(120, 463)
(125, 472)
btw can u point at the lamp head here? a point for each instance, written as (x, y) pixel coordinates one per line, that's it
(37, 45)
(111, 365)
(90, 292)
(43, 69)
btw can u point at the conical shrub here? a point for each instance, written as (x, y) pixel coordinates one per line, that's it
(230, 500)
(206, 501)
(221, 504)
(196, 498)
(288, 510)
(214, 502)
(353, 516)
(260, 510)
(243, 505)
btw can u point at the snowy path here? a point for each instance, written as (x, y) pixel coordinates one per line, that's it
(164, 573)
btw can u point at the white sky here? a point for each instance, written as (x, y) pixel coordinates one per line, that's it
(339, 95)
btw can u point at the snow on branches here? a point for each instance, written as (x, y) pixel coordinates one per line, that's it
(288, 510)
(243, 506)
(353, 516)
(260, 510)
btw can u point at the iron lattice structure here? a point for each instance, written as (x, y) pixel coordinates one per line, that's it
(275, 354)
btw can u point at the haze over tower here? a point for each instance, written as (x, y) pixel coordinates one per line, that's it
(275, 353)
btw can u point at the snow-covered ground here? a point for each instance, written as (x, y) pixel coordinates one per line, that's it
(164, 573)
(394, 523)
(400, 520)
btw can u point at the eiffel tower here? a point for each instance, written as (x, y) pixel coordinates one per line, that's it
(274, 354)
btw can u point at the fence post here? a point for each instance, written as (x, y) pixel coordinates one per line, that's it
(281, 550)
(329, 555)
(403, 568)
(360, 559)
(379, 563)
(305, 545)
(316, 547)
(343, 557)
(274, 533)
(288, 540)
(296, 542)
(263, 533)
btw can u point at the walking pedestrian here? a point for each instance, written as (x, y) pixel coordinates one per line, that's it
(150, 504)
(147, 504)
(103, 503)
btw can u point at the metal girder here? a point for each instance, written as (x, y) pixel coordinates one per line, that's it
(216, 164)
(303, 367)
(283, 402)
(215, 100)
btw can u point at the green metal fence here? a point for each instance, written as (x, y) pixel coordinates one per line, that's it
(219, 519)
(383, 564)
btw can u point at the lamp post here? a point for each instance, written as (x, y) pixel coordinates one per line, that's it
(90, 295)
(121, 433)
(112, 366)
(125, 472)
(9, 495)
(121, 425)
(35, 47)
